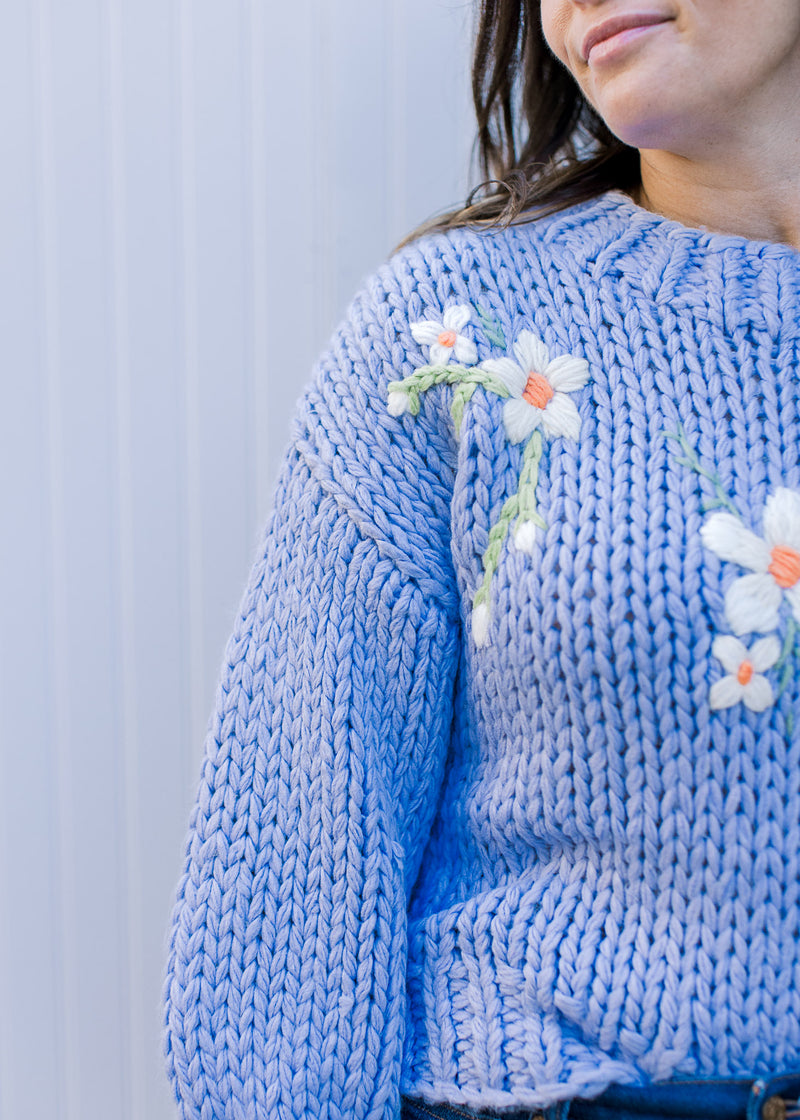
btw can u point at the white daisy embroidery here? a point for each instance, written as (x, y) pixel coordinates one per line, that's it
(480, 625)
(752, 602)
(538, 388)
(525, 537)
(744, 669)
(535, 390)
(397, 403)
(445, 338)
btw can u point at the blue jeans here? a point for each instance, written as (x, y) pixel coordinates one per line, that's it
(775, 1098)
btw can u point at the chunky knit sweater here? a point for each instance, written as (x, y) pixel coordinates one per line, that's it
(501, 800)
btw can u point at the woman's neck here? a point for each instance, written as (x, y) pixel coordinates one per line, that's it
(734, 196)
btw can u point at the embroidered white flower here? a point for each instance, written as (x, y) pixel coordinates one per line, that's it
(752, 602)
(525, 537)
(480, 625)
(538, 388)
(397, 403)
(445, 338)
(744, 668)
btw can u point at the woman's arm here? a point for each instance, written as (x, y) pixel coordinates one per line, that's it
(285, 988)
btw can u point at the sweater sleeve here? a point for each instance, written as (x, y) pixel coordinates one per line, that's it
(286, 974)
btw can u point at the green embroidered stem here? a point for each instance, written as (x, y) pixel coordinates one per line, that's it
(491, 557)
(690, 459)
(788, 642)
(426, 377)
(785, 660)
(520, 505)
(461, 397)
(790, 651)
(528, 481)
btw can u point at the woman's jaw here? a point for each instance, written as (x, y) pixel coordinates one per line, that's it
(707, 90)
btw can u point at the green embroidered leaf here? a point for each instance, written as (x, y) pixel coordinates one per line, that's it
(789, 653)
(788, 642)
(709, 504)
(786, 677)
(492, 329)
(691, 461)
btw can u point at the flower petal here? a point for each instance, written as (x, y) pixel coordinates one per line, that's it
(724, 693)
(764, 653)
(480, 625)
(509, 373)
(520, 419)
(752, 603)
(782, 518)
(456, 318)
(440, 355)
(525, 537)
(758, 694)
(465, 351)
(425, 332)
(725, 535)
(560, 418)
(567, 373)
(397, 403)
(729, 651)
(531, 353)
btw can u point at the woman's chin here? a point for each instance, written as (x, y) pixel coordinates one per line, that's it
(643, 124)
(643, 105)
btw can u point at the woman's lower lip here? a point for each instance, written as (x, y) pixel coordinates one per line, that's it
(609, 49)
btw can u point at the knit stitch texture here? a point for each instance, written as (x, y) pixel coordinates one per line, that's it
(501, 798)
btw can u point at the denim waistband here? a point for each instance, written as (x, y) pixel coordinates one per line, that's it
(773, 1098)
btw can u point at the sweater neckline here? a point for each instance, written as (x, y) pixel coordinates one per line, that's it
(710, 240)
(747, 282)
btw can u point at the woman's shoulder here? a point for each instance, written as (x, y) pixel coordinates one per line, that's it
(466, 263)
(454, 297)
(455, 293)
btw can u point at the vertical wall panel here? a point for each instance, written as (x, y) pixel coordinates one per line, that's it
(89, 757)
(429, 106)
(220, 57)
(30, 954)
(287, 107)
(129, 1033)
(197, 190)
(149, 399)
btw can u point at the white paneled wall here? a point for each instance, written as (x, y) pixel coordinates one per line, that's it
(191, 191)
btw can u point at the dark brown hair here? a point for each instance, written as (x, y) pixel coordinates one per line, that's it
(541, 146)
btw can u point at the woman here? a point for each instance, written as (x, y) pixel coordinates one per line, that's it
(501, 805)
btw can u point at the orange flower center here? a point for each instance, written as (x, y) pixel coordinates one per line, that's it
(745, 674)
(538, 390)
(785, 566)
(447, 338)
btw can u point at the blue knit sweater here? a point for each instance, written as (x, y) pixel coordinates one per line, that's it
(501, 801)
